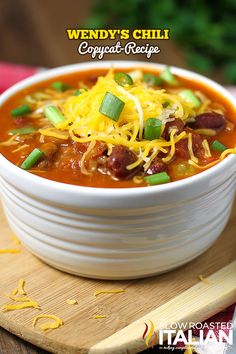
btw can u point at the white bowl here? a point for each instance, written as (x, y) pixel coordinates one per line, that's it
(117, 233)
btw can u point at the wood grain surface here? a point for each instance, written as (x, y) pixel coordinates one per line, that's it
(81, 332)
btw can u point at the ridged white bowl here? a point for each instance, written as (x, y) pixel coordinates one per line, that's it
(117, 233)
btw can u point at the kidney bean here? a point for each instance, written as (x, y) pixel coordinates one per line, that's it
(175, 124)
(209, 120)
(156, 166)
(20, 121)
(181, 148)
(118, 160)
(197, 145)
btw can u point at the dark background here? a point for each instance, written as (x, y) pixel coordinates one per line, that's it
(202, 32)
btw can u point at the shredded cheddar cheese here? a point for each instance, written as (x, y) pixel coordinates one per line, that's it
(48, 325)
(20, 289)
(55, 133)
(207, 151)
(71, 302)
(26, 303)
(83, 160)
(203, 167)
(99, 316)
(203, 279)
(112, 291)
(190, 149)
(85, 124)
(21, 286)
(15, 239)
(19, 299)
(10, 141)
(172, 146)
(9, 250)
(138, 108)
(22, 302)
(138, 179)
(20, 148)
(209, 132)
(227, 152)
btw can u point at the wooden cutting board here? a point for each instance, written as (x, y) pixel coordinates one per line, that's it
(176, 296)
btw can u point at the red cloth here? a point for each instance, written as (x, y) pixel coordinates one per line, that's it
(10, 74)
(224, 316)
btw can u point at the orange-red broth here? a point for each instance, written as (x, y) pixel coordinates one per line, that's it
(98, 179)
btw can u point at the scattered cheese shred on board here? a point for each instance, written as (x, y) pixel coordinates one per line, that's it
(203, 279)
(19, 299)
(99, 316)
(14, 292)
(21, 305)
(48, 325)
(21, 287)
(112, 291)
(71, 302)
(9, 250)
(15, 239)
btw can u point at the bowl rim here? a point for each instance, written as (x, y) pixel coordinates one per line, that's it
(96, 191)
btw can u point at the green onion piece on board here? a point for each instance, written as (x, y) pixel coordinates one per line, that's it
(54, 115)
(111, 106)
(167, 76)
(21, 111)
(22, 131)
(190, 97)
(31, 160)
(158, 178)
(218, 146)
(60, 86)
(152, 129)
(123, 79)
(152, 79)
(80, 91)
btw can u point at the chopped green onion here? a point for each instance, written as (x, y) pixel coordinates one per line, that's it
(111, 106)
(60, 86)
(31, 160)
(152, 79)
(80, 91)
(218, 146)
(190, 97)
(152, 129)
(21, 111)
(54, 115)
(23, 131)
(158, 178)
(167, 76)
(123, 79)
